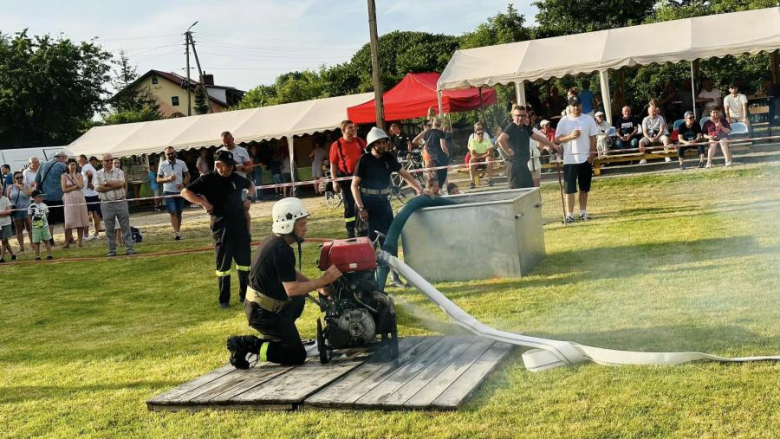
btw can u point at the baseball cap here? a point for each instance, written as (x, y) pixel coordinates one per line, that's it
(599, 113)
(60, 153)
(37, 193)
(544, 122)
(574, 101)
(225, 157)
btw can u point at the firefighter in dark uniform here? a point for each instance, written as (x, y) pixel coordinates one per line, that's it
(225, 195)
(343, 156)
(370, 186)
(277, 291)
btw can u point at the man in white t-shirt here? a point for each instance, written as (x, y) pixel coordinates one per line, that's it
(710, 95)
(91, 196)
(173, 175)
(654, 131)
(735, 104)
(240, 155)
(577, 133)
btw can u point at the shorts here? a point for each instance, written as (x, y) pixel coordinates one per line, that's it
(93, 204)
(56, 211)
(174, 204)
(20, 214)
(573, 174)
(286, 177)
(5, 232)
(40, 234)
(277, 178)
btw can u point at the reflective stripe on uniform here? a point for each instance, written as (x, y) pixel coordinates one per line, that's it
(242, 267)
(263, 355)
(223, 273)
(346, 220)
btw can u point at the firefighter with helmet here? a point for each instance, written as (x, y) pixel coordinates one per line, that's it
(225, 195)
(277, 291)
(371, 186)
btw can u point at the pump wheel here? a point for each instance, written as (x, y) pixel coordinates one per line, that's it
(321, 347)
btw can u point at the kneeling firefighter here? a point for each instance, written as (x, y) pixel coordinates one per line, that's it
(371, 186)
(276, 292)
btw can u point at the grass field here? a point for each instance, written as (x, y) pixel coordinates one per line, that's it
(673, 261)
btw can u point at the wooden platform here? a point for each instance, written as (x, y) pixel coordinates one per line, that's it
(434, 373)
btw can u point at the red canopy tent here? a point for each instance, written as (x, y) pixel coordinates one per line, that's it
(412, 97)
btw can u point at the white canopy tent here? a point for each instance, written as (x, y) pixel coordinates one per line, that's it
(748, 32)
(257, 124)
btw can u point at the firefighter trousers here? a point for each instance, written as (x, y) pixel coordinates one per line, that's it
(282, 343)
(349, 208)
(231, 243)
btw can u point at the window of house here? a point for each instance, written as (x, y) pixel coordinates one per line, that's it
(154, 79)
(175, 101)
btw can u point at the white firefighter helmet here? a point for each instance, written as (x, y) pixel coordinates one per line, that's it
(284, 214)
(374, 135)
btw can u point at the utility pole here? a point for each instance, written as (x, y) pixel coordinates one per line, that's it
(380, 107)
(188, 38)
(200, 74)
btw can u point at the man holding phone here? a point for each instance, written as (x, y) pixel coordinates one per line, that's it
(577, 133)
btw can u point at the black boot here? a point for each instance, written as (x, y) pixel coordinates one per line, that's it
(241, 345)
(243, 279)
(224, 290)
(350, 233)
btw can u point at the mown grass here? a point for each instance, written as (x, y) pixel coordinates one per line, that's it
(674, 261)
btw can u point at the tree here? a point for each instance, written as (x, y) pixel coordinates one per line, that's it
(131, 103)
(565, 17)
(201, 106)
(49, 88)
(289, 87)
(500, 29)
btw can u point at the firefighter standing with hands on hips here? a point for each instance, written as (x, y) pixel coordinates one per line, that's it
(226, 195)
(277, 291)
(344, 155)
(370, 186)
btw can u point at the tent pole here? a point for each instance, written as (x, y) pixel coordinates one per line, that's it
(441, 105)
(482, 107)
(693, 91)
(291, 152)
(775, 67)
(520, 93)
(605, 95)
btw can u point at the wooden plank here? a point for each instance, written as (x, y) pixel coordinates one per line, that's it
(369, 375)
(426, 395)
(470, 380)
(429, 373)
(166, 397)
(397, 379)
(302, 381)
(232, 407)
(240, 382)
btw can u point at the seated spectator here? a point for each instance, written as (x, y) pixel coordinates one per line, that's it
(603, 141)
(710, 96)
(547, 130)
(717, 130)
(627, 130)
(735, 104)
(688, 133)
(480, 151)
(654, 131)
(433, 188)
(452, 189)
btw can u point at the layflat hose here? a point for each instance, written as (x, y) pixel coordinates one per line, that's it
(544, 353)
(394, 232)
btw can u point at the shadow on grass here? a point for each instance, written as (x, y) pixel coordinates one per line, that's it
(715, 340)
(21, 394)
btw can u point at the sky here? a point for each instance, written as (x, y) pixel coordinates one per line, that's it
(244, 43)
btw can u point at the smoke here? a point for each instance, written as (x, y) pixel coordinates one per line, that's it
(428, 319)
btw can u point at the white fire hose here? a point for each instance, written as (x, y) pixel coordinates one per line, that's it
(546, 354)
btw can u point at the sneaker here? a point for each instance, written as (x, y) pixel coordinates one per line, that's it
(643, 162)
(708, 165)
(491, 183)
(177, 237)
(569, 219)
(682, 167)
(110, 254)
(2, 261)
(395, 282)
(130, 252)
(49, 257)
(729, 163)
(224, 305)
(701, 164)
(667, 159)
(472, 185)
(585, 217)
(13, 257)
(95, 236)
(37, 258)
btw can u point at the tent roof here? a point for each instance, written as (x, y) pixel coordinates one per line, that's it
(412, 97)
(256, 124)
(670, 41)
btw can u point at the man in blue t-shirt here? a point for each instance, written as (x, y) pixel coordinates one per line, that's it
(586, 97)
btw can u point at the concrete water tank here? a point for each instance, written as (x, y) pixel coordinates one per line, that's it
(484, 235)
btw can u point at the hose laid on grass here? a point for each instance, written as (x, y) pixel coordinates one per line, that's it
(544, 353)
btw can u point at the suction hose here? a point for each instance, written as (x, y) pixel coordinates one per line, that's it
(394, 232)
(546, 354)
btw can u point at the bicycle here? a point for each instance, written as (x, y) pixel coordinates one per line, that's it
(333, 199)
(411, 161)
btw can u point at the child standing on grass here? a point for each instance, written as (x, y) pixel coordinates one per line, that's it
(39, 211)
(5, 227)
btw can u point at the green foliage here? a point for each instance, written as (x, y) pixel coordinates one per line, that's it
(565, 17)
(201, 106)
(289, 87)
(49, 88)
(503, 28)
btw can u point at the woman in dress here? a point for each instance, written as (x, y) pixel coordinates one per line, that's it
(19, 194)
(76, 216)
